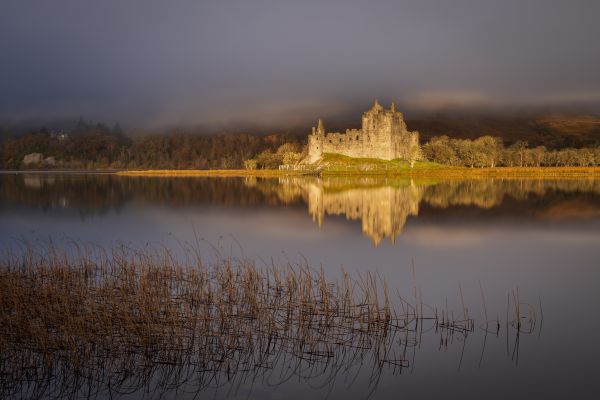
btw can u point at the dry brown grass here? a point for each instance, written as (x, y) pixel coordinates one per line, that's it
(208, 173)
(97, 320)
(438, 172)
(572, 124)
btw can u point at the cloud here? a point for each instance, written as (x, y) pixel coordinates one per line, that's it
(236, 113)
(432, 100)
(271, 62)
(479, 236)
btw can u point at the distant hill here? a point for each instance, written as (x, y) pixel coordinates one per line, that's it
(552, 131)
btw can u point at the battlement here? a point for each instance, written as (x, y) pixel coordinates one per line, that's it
(383, 135)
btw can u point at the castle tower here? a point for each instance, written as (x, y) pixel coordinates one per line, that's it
(320, 127)
(315, 142)
(379, 125)
(376, 106)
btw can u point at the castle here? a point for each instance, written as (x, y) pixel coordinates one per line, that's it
(383, 135)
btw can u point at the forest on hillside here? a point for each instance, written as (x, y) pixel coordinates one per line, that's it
(97, 146)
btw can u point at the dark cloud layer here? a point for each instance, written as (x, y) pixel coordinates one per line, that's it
(269, 62)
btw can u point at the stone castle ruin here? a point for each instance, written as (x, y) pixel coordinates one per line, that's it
(383, 135)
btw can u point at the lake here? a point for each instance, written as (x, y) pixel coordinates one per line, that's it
(460, 245)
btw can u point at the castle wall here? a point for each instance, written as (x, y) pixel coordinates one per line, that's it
(354, 143)
(404, 143)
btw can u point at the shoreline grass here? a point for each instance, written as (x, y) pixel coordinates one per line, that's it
(233, 173)
(436, 172)
(337, 164)
(465, 172)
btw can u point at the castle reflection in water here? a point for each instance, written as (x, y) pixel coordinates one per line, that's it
(383, 205)
(382, 210)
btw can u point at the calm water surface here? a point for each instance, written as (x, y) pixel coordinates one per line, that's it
(444, 237)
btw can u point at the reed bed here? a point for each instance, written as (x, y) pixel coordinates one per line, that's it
(83, 322)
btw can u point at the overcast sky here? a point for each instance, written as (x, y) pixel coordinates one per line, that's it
(152, 63)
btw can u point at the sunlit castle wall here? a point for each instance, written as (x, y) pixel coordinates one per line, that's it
(383, 135)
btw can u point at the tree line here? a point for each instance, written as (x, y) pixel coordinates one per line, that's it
(96, 146)
(100, 147)
(488, 151)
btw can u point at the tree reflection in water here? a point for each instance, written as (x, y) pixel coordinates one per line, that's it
(383, 205)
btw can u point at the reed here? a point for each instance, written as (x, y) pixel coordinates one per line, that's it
(99, 320)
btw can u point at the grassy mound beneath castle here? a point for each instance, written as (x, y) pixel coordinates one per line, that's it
(337, 164)
(331, 163)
